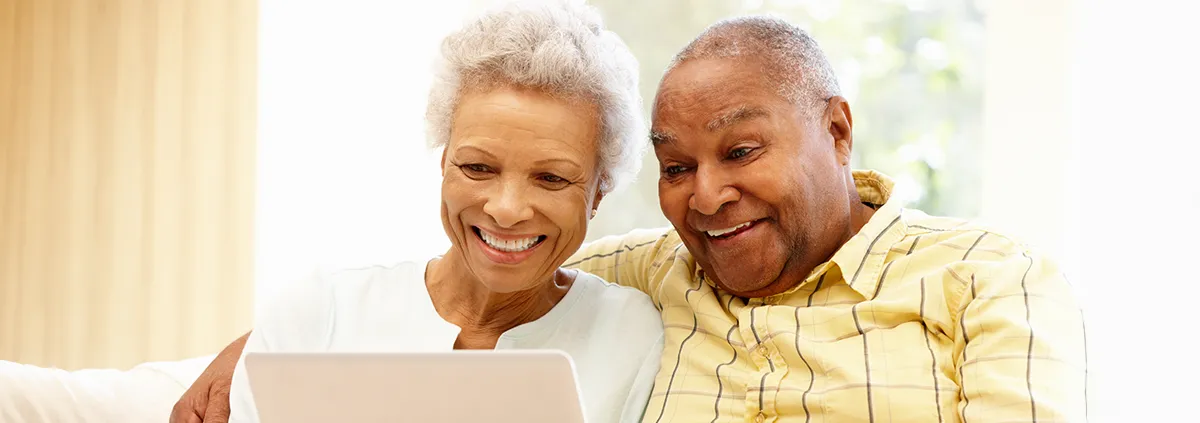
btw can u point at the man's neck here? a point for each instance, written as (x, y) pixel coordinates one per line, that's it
(858, 220)
(461, 298)
(860, 214)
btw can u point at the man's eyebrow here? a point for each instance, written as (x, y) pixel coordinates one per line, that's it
(736, 115)
(660, 138)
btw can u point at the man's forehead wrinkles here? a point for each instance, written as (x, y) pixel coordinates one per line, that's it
(696, 102)
(687, 106)
(692, 90)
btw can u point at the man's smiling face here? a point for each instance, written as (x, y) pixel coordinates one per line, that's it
(755, 185)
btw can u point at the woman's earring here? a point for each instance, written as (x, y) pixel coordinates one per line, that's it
(593, 213)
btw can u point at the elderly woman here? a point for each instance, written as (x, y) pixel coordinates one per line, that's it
(538, 111)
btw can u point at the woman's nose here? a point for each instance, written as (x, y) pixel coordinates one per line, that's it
(508, 205)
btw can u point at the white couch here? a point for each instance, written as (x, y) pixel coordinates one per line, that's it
(145, 393)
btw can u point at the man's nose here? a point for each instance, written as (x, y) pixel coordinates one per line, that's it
(508, 205)
(712, 191)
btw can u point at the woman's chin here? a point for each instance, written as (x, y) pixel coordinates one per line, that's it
(504, 276)
(506, 279)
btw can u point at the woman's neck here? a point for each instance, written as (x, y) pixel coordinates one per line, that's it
(483, 315)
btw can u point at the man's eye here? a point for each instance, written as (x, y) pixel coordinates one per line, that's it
(738, 153)
(674, 170)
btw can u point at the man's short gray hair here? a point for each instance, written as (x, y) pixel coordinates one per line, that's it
(792, 58)
(560, 48)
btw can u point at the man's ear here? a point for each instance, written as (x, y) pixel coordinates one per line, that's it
(841, 128)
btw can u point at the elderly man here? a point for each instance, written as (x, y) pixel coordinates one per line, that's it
(791, 287)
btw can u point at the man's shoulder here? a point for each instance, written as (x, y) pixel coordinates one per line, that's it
(973, 240)
(981, 260)
(971, 248)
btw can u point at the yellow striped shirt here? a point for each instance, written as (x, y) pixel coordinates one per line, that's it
(915, 319)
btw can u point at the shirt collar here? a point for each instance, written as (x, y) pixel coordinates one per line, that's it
(861, 259)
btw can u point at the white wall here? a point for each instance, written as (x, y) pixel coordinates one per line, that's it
(344, 175)
(1091, 136)
(1140, 204)
(1028, 89)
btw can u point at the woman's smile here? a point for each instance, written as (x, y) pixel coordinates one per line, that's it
(507, 249)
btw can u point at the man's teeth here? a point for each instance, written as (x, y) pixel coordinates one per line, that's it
(720, 232)
(511, 246)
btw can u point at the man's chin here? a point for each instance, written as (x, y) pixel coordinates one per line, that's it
(743, 282)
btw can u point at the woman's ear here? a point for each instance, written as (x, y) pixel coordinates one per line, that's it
(443, 162)
(595, 204)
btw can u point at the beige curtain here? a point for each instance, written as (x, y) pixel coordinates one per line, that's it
(126, 179)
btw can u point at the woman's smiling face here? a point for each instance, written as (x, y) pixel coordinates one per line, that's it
(519, 183)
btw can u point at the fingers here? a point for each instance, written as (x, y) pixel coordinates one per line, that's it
(216, 414)
(217, 409)
(183, 412)
(189, 406)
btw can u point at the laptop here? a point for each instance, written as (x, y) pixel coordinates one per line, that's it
(505, 386)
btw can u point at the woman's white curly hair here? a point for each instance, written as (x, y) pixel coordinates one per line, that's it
(560, 48)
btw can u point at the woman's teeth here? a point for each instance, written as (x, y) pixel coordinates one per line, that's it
(510, 246)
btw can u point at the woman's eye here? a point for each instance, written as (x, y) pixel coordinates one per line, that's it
(738, 153)
(475, 169)
(554, 179)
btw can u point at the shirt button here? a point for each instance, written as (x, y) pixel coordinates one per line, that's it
(760, 418)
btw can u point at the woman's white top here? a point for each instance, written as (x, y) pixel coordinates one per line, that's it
(612, 333)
